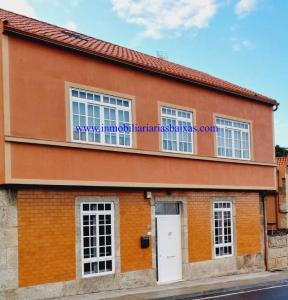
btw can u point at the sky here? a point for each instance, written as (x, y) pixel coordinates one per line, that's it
(241, 41)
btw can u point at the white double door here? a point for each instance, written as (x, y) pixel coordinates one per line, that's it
(169, 260)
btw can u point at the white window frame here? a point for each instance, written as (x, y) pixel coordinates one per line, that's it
(222, 209)
(98, 258)
(177, 119)
(102, 105)
(233, 130)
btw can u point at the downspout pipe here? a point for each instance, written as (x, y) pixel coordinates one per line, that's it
(262, 196)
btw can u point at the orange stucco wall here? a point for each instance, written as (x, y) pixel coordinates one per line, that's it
(37, 103)
(77, 164)
(248, 224)
(135, 221)
(199, 217)
(46, 224)
(47, 233)
(38, 88)
(2, 154)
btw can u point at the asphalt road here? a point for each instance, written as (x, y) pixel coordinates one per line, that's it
(269, 293)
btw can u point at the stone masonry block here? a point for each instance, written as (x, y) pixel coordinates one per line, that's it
(275, 252)
(3, 215)
(3, 258)
(12, 258)
(277, 241)
(8, 279)
(11, 237)
(272, 263)
(2, 239)
(4, 201)
(12, 216)
(281, 262)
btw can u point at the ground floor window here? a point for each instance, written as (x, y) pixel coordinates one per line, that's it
(223, 228)
(97, 238)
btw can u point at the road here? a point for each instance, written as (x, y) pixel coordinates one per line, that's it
(269, 293)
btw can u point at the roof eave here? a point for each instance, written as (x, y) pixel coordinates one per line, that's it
(17, 32)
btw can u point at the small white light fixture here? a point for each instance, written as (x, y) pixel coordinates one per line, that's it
(148, 195)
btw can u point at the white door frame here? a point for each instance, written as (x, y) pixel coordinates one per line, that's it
(169, 248)
(184, 232)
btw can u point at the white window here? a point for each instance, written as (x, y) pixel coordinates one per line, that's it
(91, 110)
(180, 139)
(97, 238)
(223, 228)
(233, 139)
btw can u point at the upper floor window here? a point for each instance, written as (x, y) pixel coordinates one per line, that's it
(90, 110)
(233, 139)
(176, 140)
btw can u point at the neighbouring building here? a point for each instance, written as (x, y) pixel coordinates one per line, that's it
(277, 202)
(282, 192)
(93, 211)
(277, 219)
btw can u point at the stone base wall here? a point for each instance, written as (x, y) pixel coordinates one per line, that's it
(192, 271)
(277, 252)
(83, 286)
(225, 266)
(8, 241)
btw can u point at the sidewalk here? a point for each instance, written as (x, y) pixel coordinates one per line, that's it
(195, 288)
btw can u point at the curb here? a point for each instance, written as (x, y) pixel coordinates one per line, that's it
(224, 291)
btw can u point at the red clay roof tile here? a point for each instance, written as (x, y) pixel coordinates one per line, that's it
(66, 37)
(282, 161)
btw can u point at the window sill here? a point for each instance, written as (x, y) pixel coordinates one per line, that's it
(98, 275)
(101, 145)
(177, 152)
(224, 256)
(234, 158)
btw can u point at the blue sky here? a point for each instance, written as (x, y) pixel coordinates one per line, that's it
(242, 41)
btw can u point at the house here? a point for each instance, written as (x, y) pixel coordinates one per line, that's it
(83, 211)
